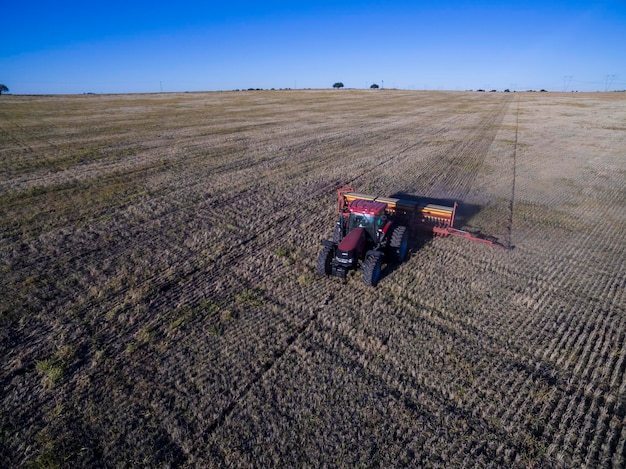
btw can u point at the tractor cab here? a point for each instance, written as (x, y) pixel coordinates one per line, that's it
(369, 215)
(370, 233)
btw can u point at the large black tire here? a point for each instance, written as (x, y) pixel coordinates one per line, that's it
(323, 262)
(372, 268)
(399, 244)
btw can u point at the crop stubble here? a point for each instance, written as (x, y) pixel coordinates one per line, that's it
(158, 255)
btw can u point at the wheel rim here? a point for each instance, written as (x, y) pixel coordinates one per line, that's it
(404, 247)
(376, 275)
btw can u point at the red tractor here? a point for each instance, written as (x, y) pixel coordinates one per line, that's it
(372, 231)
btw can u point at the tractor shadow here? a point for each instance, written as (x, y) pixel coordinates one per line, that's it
(464, 213)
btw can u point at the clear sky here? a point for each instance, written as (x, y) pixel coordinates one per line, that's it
(151, 46)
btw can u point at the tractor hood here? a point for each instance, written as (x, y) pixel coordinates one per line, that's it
(352, 240)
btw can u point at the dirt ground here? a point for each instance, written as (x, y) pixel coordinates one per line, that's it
(159, 304)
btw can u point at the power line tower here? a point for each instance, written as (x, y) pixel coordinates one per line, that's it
(609, 81)
(567, 79)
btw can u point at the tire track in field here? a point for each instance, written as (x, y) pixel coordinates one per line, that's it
(509, 231)
(452, 175)
(405, 153)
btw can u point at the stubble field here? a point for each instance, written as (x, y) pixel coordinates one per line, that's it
(159, 305)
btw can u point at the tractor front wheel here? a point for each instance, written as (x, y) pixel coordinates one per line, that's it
(323, 262)
(372, 268)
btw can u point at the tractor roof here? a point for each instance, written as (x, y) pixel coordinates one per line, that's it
(367, 207)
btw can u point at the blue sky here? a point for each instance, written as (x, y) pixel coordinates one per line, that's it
(149, 46)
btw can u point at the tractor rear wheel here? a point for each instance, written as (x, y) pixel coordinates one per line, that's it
(399, 243)
(323, 262)
(372, 268)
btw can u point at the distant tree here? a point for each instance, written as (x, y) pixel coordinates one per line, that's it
(507, 90)
(3, 88)
(338, 85)
(374, 86)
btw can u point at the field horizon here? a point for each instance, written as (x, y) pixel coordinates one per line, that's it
(160, 307)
